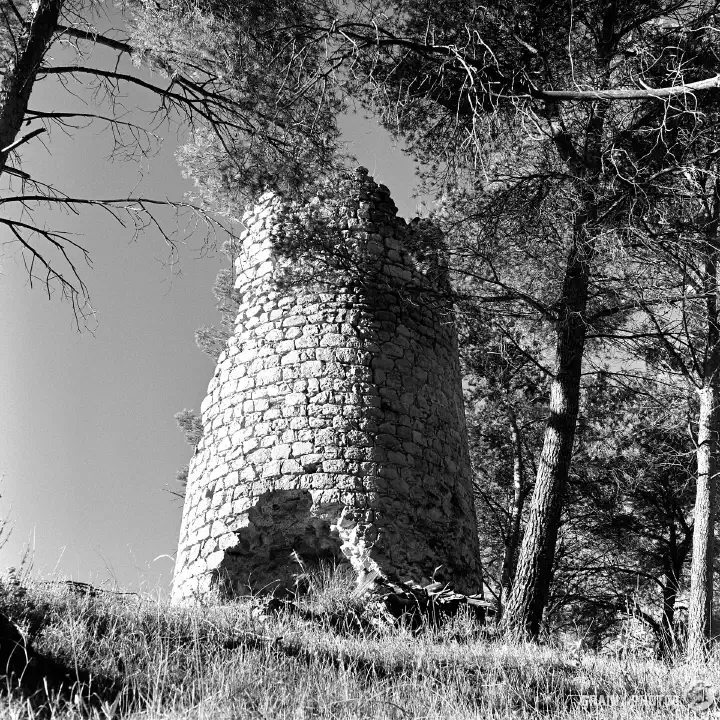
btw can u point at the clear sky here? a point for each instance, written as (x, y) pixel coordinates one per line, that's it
(88, 443)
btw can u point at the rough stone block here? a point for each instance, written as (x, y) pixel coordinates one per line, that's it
(281, 452)
(301, 448)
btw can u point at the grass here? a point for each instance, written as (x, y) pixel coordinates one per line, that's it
(142, 658)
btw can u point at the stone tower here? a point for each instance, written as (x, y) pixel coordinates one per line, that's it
(334, 426)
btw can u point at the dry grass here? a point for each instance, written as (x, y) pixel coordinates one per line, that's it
(151, 660)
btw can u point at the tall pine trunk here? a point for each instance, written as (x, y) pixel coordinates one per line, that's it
(533, 574)
(531, 586)
(701, 568)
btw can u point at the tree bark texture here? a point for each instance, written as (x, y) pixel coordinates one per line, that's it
(701, 569)
(19, 78)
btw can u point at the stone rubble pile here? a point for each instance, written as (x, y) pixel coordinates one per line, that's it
(384, 603)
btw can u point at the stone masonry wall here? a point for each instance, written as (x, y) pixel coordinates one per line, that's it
(334, 427)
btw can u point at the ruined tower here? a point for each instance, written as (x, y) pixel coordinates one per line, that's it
(334, 426)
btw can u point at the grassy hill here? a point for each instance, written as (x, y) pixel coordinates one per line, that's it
(100, 654)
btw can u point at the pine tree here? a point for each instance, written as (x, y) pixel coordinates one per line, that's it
(211, 339)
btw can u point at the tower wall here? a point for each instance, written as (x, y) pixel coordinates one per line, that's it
(334, 426)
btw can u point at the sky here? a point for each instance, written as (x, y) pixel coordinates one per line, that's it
(88, 444)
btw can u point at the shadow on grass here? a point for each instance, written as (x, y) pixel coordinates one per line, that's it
(42, 680)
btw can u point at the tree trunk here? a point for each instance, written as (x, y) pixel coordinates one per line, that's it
(701, 569)
(513, 533)
(583, 160)
(19, 78)
(533, 575)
